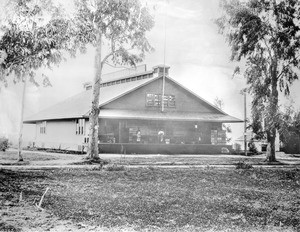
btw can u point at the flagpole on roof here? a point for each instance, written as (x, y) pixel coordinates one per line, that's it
(164, 67)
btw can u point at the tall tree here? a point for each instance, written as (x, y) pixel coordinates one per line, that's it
(117, 31)
(265, 34)
(34, 33)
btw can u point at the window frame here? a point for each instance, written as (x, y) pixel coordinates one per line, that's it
(155, 99)
(80, 126)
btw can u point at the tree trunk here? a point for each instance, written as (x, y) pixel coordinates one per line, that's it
(93, 151)
(20, 157)
(271, 149)
(274, 111)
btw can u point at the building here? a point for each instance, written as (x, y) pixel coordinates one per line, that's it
(261, 145)
(132, 118)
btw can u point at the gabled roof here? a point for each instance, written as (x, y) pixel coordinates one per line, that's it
(78, 106)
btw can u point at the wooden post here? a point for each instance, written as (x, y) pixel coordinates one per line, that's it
(120, 132)
(20, 157)
(245, 123)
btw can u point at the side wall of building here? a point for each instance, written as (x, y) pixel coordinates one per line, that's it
(60, 134)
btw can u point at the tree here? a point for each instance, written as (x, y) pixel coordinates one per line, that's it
(117, 30)
(264, 34)
(289, 127)
(34, 33)
(220, 104)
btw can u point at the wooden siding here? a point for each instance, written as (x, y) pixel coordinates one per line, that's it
(184, 100)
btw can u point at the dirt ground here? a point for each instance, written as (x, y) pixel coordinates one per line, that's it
(147, 197)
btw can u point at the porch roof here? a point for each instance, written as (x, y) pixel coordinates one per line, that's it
(175, 116)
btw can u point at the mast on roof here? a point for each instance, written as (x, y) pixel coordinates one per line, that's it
(164, 66)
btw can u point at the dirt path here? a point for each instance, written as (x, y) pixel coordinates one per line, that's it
(46, 160)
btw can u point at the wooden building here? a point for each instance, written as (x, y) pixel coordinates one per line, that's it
(133, 120)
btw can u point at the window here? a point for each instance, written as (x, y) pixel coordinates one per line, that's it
(43, 127)
(80, 126)
(154, 100)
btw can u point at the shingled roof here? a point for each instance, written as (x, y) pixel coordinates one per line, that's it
(79, 105)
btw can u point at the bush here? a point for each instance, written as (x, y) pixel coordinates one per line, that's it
(3, 144)
(243, 165)
(115, 168)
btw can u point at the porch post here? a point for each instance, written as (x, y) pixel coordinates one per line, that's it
(120, 131)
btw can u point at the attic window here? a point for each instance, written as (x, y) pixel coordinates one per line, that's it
(154, 100)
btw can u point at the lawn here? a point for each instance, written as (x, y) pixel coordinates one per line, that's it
(155, 199)
(48, 158)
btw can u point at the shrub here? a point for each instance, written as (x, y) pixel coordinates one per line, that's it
(3, 143)
(115, 168)
(224, 150)
(243, 165)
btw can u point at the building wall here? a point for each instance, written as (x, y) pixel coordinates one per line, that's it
(258, 144)
(59, 135)
(184, 100)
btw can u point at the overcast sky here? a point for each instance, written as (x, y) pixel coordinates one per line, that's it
(197, 54)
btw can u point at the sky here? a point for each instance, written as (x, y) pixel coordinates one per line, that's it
(197, 54)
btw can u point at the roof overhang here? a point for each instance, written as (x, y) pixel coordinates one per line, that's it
(174, 116)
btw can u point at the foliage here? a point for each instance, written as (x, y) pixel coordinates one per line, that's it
(122, 26)
(266, 35)
(34, 36)
(220, 104)
(289, 129)
(243, 165)
(117, 28)
(3, 144)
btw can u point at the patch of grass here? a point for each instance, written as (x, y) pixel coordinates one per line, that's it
(147, 199)
(28, 156)
(186, 160)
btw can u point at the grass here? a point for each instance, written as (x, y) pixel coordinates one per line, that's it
(27, 156)
(154, 199)
(194, 160)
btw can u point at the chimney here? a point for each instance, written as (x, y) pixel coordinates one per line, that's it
(87, 85)
(159, 70)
